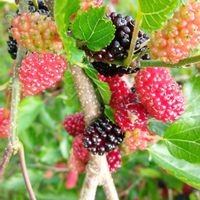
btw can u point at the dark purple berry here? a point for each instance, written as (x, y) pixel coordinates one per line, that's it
(12, 47)
(102, 136)
(113, 70)
(119, 47)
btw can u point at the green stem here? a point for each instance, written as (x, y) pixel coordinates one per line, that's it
(15, 97)
(138, 22)
(13, 146)
(156, 63)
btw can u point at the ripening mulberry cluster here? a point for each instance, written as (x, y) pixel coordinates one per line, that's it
(4, 123)
(74, 124)
(42, 9)
(180, 35)
(41, 71)
(36, 32)
(155, 94)
(114, 160)
(119, 47)
(102, 136)
(160, 94)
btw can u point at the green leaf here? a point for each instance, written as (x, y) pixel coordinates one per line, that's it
(157, 126)
(72, 99)
(192, 93)
(155, 13)
(102, 87)
(183, 140)
(29, 109)
(93, 28)
(47, 120)
(63, 10)
(64, 149)
(16, 182)
(183, 170)
(183, 136)
(149, 172)
(109, 113)
(50, 154)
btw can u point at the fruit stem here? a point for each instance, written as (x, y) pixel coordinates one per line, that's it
(157, 63)
(25, 172)
(15, 99)
(138, 22)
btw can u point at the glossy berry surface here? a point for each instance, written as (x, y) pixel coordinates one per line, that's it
(119, 47)
(160, 94)
(12, 47)
(41, 71)
(114, 160)
(36, 32)
(75, 124)
(130, 114)
(138, 139)
(108, 70)
(102, 136)
(118, 87)
(42, 8)
(180, 35)
(79, 151)
(4, 123)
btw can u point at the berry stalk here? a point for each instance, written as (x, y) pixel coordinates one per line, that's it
(134, 39)
(157, 63)
(15, 99)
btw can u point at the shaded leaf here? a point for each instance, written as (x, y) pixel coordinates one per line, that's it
(183, 170)
(102, 87)
(183, 136)
(63, 10)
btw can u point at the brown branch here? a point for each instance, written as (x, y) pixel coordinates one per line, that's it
(5, 160)
(25, 173)
(97, 171)
(107, 181)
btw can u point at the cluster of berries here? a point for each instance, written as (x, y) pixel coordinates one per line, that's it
(42, 9)
(156, 95)
(41, 71)
(36, 32)
(179, 36)
(4, 123)
(75, 126)
(119, 47)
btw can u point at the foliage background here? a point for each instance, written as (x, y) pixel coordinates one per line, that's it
(46, 142)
